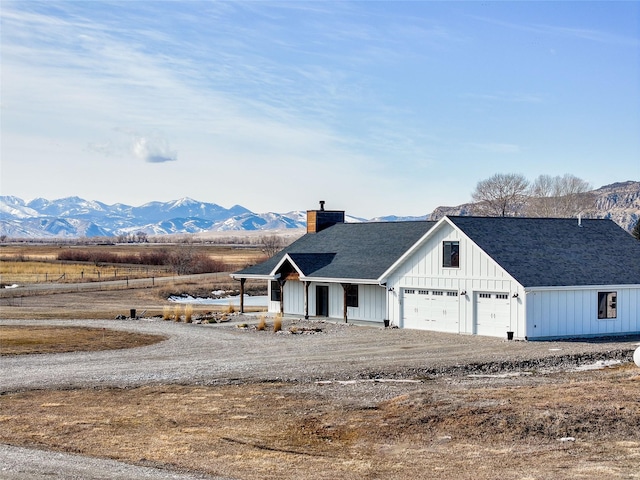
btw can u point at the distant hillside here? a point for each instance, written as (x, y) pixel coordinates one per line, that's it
(74, 217)
(619, 201)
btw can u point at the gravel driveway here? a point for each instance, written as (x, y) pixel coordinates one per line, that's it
(224, 353)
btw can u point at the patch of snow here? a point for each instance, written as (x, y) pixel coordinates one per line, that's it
(373, 380)
(15, 285)
(249, 301)
(499, 375)
(567, 439)
(599, 365)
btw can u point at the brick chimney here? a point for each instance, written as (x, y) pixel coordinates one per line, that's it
(318, 220)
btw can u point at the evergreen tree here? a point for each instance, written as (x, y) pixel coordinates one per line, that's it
(636, 230)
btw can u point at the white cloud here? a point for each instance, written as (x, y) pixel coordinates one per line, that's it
(153, 149)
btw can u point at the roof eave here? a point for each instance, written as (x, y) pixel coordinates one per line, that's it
(254, 276)
(580, 287)
(360, 281)
(286, 257)
(383, 278)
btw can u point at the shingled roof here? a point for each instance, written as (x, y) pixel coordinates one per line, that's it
(537, 252)
(347, 250)
(557, 252)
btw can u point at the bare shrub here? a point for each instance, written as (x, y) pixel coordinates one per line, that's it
(271, 244)
(230, 309)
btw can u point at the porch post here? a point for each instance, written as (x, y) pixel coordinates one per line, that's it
(345, 286)
(242, 280)
(306, 300)
(281, 282)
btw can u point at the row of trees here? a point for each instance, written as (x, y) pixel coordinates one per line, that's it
(182, 260)
(510, 195)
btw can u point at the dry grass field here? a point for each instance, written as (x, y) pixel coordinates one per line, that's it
(35, 263)
(572, 428)
(22, 340)
(562, 425)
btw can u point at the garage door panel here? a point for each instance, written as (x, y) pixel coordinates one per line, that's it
(431, 310)
(492, 314)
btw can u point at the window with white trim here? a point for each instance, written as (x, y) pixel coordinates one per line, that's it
(607, 305)
(276, 291)
(451, 254)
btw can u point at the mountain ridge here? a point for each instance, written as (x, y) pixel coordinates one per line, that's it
(74, 217)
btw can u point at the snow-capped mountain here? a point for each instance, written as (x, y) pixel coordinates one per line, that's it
(73, 217)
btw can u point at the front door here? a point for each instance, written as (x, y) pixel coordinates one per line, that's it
(322, 301)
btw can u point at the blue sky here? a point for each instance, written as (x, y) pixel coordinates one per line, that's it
(377, 108)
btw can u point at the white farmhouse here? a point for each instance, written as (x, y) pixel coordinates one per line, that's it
(526, 278)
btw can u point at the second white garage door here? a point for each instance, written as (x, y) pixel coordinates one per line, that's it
(430, 310)
(493, 311)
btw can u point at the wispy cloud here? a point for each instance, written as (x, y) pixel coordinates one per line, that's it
(505, 97)
(590, 34)
(501, 148)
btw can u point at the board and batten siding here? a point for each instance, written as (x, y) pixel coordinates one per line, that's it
(477, 272)
(371, 301)
(554, 313)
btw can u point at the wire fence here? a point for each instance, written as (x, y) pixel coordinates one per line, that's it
(83, 276)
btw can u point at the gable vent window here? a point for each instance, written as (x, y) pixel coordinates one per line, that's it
(451, 254)
(276, 292)
(607, 304)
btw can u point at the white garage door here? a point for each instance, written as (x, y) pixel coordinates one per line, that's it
(493, 311)
(430, 310)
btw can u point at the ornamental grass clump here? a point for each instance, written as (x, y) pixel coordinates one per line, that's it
(262, 323)
(188, 313)
(176, 313)
(277, 323)
(166, 312)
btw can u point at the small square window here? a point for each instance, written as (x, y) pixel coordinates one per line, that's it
(607, 304)
(451, 254)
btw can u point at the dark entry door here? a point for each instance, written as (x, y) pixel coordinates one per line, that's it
(322, 301)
